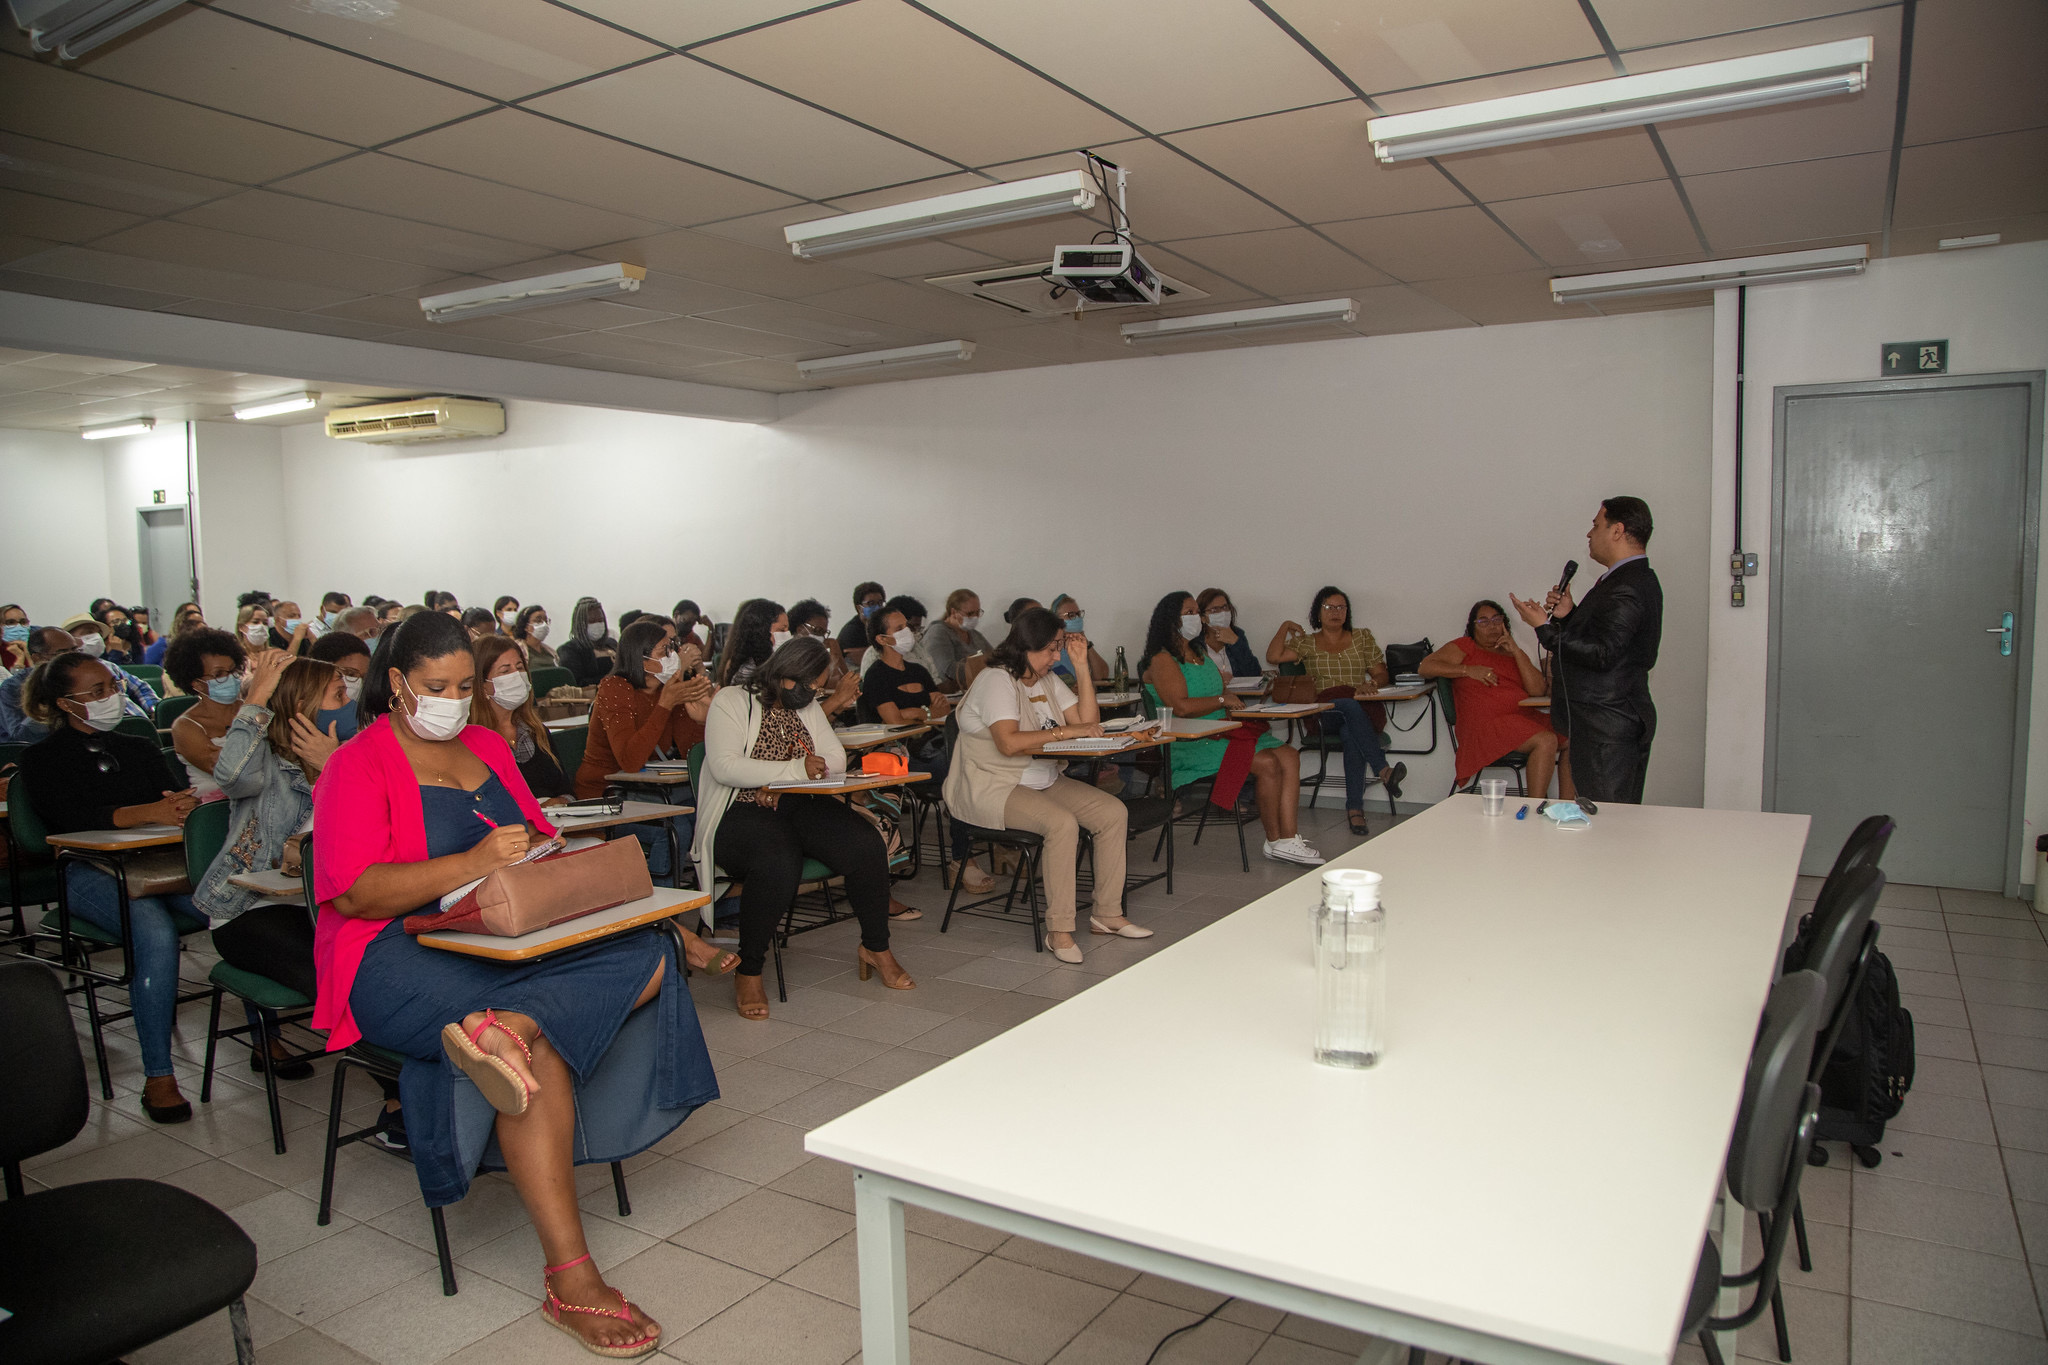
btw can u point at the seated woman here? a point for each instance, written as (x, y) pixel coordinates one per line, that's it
(1490, 675)
(652, 707)
(530, 630)
(121, 643)
(350, 655)
(1348, 668)
(84, 777)
(1183, 682)
(14, 627)
(1074, 622)
(1012, 711)
(269, 759)
(953, 639)
(898, 691)
(590, 651)
(479, 623)
(505, 613)
(1222, 639)
(686, 616)
(759, 628)
(422, 803)
(503, 702)
(139, 698)
(771, 729)
(912, 612)
(186, 617)
(443, 602)
(207, 664)
(1018, 607)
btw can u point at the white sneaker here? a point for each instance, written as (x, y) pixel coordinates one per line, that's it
(1295, 850)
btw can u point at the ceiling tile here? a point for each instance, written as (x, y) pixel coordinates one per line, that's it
(1639, 23)
(185, 244)
(1203, 60)
(1602, 227)
(1400, 308)
(1621, 157)
(892, 68)
(931, 256)
(1838, 126)
(923, 307)
(1491, 300)
(700, 256)
(83, 291)
(660, 295)
(406, 189)
(253, 316)
(46, 101)
(821, 325)
(58, 220)
(2023, 228)
(502, 48)
(162, 279)
(1394, 44)
(1769, 205)
(1317, 164)
(1977, 69)
(1492, 87)
(625, 346)
(1282, 261)
(1171, 196)
(39, 167)
(83, 364)
(1218, 289)
(223, 63)
(1433, 245)
(1980, 177)
(514, 147)
(691, 110)
(704, 334)
(1015, 243)
(764, 376)
(308, 222)
(699, 21)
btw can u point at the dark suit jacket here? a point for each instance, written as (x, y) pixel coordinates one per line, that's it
(1604, 651)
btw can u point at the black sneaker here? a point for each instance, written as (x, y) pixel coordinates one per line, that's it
(287, 1068)
(390, 1134)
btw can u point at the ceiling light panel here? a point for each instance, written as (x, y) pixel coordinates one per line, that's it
(1040, 197)
(133, 427)
(277, 407)
(1725, 274)
(938, 353)
(1242, 320)
(538, 292)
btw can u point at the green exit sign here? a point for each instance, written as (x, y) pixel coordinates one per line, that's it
(1901, 358)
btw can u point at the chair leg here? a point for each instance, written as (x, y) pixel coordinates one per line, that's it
(1778, 1321)
(1711, 1348)
(619, 1189)
(264, 1033)
(1034, 897)
(1202, 824)
(99, 1041)
(212, 1037)
(238, 1323)
(1799, 1232)
(11, 1172)
(1242, 856)
(326, 1214)
(954, 898)
(441, 1250)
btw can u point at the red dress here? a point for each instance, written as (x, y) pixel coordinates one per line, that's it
(1491, 721)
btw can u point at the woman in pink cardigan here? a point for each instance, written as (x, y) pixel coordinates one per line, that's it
(529, 1067)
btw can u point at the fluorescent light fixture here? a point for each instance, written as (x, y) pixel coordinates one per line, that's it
(133, 427)
(73, 28)
(1800, 73)
(1242, 320)
(1040, 197)
(538, 292)
(1687, 279)
(938, 352)
(277, 407)
(1981, 239)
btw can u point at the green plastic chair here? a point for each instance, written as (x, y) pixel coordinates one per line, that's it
(31, 875)
(1315, 740)
(170, 708)
(153, 674)
(568, 746)
(814, 876)
(550, 677)
(142, 727)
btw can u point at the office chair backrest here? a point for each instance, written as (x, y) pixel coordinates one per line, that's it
(44, 1075)
(206, 829)
(1835, 937)
(1864, 846)
(1775, 1098)
(31, 835)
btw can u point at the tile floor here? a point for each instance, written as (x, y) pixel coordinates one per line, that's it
(743, 1247)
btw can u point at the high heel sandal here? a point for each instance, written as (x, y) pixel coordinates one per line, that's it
(553, 1309)
(494, 1076)
(868, 967)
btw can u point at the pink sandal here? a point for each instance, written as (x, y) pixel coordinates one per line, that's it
(554, 1308)
(494, 1076)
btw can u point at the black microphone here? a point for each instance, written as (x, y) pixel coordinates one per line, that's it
(1571, 566)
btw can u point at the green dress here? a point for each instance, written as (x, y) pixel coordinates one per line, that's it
(1195, 759)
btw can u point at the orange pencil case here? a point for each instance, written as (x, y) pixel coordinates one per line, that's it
(885, 765)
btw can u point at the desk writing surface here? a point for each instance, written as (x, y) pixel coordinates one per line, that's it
(568, 723)
(631, 813)
(651, 777)
(270, 881)
(665, 902)
(857, 737)
(1187, 728)
(1603, 990)
(120, 840)
(853, 781)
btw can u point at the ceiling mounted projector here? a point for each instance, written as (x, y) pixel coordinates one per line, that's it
(1040, 197)
(1800, 73)
(1104, 272)
(1242, 320)
(538, 292)
(72, 28)
(1727, 274)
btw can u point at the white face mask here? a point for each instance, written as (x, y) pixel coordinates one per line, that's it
(104, 714)
(1220, 619)
(1190, 627)
(352, 688)
(665, 667)
(92, 646)
(537, 629)
(903, 640)
(778, 638)
(508, 617)
(436, 717)
(971, 622)
(595, 630)
(255, 634)
(511, 690)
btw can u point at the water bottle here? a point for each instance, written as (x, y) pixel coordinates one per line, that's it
(1351, 969)
(1120, 675)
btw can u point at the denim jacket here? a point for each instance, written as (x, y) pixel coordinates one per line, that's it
(269, 800)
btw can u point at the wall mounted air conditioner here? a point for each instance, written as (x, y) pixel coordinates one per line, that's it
(411, 420)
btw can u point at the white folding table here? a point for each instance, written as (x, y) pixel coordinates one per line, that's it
(1525, 1177)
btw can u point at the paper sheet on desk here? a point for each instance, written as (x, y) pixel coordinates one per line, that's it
(1278, 709)
(815, 784)
(1108, 744)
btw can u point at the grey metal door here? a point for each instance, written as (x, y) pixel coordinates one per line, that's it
(1904, 530)
(164, 549)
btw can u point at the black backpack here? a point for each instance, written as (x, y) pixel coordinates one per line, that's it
(1867, 1076)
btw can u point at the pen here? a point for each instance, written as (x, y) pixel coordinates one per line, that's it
(485, 818)
(1523, 812)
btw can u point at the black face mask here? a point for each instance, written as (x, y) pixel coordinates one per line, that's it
(796, 696)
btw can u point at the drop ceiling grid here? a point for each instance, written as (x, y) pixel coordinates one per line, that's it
(1278, 75)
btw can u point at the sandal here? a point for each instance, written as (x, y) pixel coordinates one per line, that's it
(748, 1009)
(899, 911)
(1356, 818)
(494, 1076)
(554, 1308)
(721, 962)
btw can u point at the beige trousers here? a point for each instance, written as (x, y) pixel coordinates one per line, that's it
(1058, 815)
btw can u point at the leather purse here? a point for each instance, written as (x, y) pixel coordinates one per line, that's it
(1294, 689)
(528, 896)
(156, 872)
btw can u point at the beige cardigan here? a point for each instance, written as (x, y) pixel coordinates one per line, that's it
(982, 776)
(730, 730)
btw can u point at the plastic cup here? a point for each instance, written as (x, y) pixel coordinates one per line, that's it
(1493, 795)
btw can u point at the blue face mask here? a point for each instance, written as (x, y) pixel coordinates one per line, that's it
(15, 635)
(331, 620)
(864, 611)
(342, 718)
(226, 691)
(1076, 625)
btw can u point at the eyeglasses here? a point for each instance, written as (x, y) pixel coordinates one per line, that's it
(103, 760)
(100, 693)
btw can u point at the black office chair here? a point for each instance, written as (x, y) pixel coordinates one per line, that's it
(1773, 1131)
(95, 1270)
(1516, 763)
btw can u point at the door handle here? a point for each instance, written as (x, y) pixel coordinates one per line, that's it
(2003, 630)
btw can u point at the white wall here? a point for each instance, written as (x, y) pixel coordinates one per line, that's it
(1417, 472)
(53, 550)
(241, 517)
(1992, 305)
(136, 467)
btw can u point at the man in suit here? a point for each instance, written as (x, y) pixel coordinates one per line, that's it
(1602, 652)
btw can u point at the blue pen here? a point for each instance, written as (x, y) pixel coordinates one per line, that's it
(1522, 813)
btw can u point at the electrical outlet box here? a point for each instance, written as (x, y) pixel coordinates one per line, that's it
(1749, 564)
(1735, 594)
(1742, 564)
